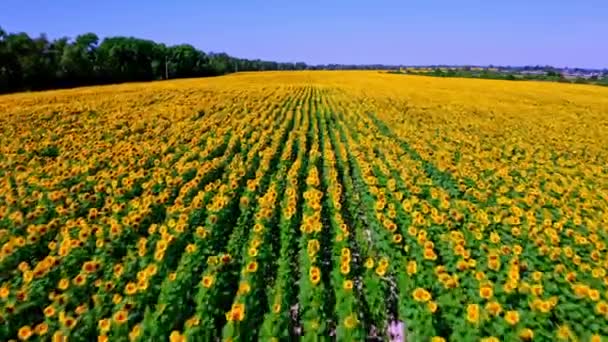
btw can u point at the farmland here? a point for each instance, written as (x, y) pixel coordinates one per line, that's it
(305, 205)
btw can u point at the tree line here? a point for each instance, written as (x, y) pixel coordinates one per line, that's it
(38, 63)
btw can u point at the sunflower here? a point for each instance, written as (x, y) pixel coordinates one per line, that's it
(512, 317)
(526, 334)
(347, 285)
(252, 266)
(4, 292)
(81, 309)
(63, 284)
(490, 339)
(142, 285)
(191, 248)
(176, 336)
(236, 313)
(429, 254)
(421, 295)
(121, 317)
(70, 322)
(563, 332)
(411, 267)
(381, 270)
(473, 313)
(345, 269)
(208, 281)
(201, 232)
(350, 321)
(49, 311)
(252, 252)
(432, 306)
(25, 333)
(314, 274)
(118, 270)
(594, 295)
(494, 264)
(485, 291)
(601, 308)
(244, 288)
(58, 337)
(135, 332)
(225, 258)
(494, 308)
(42, 329)
(192, 321)
(130, 289)
(90, 266)
(258, 228)
(151, 270)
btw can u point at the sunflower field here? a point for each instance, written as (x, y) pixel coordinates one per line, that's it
(305, 206)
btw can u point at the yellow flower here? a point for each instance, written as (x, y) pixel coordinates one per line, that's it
(473, 313)
(380, 271)
(176, 336)
(252, 266)
(63, 284)
(601, 308)
(512, 317)
(421, 295)
(594, 295)
(135, 332)
(130, 289)
(244, 288)
(191, 248)
(345, 269)
(350, 321)
(429, 254)
(526, 334)
(493, 308)
(485, 291)
(236, 313)
(411, 267)
(490, 339)
(58, 337)
(41, 329)
(314, 274)
(25, 333)
(121, 317)
(104, 325)
(49, 311)
(563, 332)
(208, 281)
(4, 292)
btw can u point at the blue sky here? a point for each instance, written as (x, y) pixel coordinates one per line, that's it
(514, 32)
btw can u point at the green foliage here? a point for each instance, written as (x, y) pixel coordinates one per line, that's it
(49, 152)
(28, 63)
(466, 72)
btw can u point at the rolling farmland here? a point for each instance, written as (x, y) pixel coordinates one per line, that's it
(305, 205)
